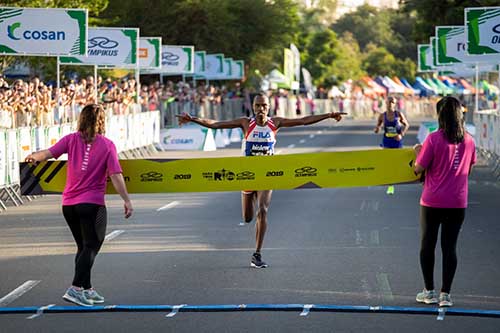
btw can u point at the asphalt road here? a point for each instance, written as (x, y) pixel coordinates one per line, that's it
(355, 246)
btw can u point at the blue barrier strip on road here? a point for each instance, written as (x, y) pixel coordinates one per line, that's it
(255, 307)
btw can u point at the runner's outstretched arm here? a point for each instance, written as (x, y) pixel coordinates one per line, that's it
(308, 120)
(210, 123)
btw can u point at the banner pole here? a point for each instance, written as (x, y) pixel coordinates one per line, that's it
(95, 84)
(58, 84)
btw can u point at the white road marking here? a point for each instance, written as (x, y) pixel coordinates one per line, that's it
(40, 310)
(384, 286)
(113, 235)
(374, 237)
(359, 239)
(168, 206)
(18, 292)
(365, 287)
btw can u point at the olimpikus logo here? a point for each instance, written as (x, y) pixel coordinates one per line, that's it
(15, 32)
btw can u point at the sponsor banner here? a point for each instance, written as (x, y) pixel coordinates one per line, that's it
(43, 31)
(175, 59)
(452, 47)
(116, 47)
(214, 65)
(433, 45)
(53, 135)
(483, 31)
(288, 66)
(25, 145)
(187, 138)
(12, 157)
(149, 52)
(280, 172)
(200, 64)
(238, 69)
(296, 61)
(235, 135)
(3, 158)
(424, 58)
(308, 84)
(228, 68)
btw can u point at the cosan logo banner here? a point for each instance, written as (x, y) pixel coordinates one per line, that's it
(43, 31)
(178, 59)
(109, 47)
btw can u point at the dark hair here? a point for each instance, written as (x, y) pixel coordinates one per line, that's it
(261, 95)
(450, 119)
(91, 122)
(440, 104)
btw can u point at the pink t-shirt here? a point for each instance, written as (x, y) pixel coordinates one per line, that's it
(447, 167)
(89, 165)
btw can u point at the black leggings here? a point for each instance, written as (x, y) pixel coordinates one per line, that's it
(88, 226)
(451, 220)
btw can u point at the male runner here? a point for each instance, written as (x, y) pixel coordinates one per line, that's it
(395, 128)
(259, 139)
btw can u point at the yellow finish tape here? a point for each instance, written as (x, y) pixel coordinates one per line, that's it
(279, 172)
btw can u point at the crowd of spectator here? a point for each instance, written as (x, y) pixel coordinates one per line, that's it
(35, 103)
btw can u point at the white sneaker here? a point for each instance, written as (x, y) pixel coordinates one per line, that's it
(427, 297)
(445, 299)
(92, 295)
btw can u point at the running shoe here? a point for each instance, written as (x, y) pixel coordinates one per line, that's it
(76, 296)
(445, 299)
(390, 190)
(92, 295)
(257, 261)
(427, 297)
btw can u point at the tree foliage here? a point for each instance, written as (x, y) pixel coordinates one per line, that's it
(431, 13)
(244, 29)
(383, 36)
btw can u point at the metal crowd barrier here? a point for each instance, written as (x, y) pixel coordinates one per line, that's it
(134, 136)
(487, 124)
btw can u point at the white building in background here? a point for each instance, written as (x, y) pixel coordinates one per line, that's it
(347, 6)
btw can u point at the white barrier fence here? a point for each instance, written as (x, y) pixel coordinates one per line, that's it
(128, 132)
(486, 133)
(488, 137)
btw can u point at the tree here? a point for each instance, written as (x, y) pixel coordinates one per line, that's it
(378, 61)
(368, 25)
(244, 29)
(431, 13)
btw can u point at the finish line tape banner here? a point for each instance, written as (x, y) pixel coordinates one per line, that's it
(279, 172)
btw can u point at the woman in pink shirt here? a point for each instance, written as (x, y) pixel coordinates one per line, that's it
(447, 157)
(91, 159)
